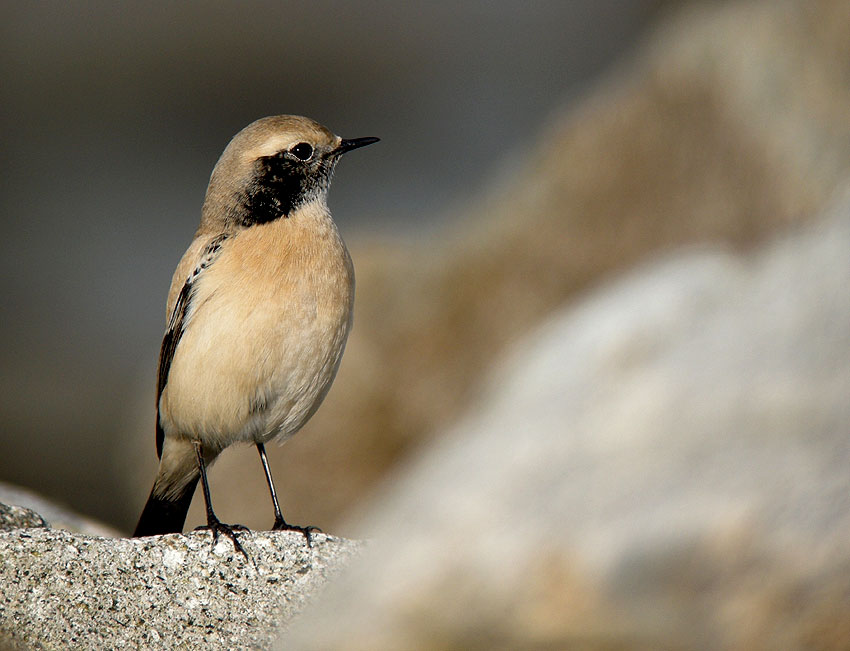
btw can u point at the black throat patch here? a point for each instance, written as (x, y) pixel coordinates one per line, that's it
(279, 187)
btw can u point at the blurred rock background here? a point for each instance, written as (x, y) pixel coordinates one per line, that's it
(662, 465)
(725, 124)
(113, 117)
(527, 155)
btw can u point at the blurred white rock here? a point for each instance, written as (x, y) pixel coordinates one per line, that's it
(664, 465)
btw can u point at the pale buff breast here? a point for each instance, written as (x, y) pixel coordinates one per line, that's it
(266, 331)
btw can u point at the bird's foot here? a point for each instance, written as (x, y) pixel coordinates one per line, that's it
(281, 525)
(216, 527)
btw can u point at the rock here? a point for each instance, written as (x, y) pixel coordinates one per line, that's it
(58, 515)
(664, 465)
(65, 590)
(19, 517)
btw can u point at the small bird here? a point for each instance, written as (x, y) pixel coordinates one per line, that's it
(258, 314)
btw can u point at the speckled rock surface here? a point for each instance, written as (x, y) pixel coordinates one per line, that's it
(63, 590)
(19, 517)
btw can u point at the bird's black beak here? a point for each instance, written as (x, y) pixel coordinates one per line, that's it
(348, 145)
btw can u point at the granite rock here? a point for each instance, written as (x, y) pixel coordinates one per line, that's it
(19, 517)
(63, 590)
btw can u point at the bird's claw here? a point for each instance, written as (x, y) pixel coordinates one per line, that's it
(217, 528)
(281, 525)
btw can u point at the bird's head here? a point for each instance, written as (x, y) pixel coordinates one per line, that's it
(271, 168)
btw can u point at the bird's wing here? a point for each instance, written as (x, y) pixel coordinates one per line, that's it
(177, 323)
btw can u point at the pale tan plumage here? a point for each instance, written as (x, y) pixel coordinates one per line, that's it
(260, 305)
(266, 336)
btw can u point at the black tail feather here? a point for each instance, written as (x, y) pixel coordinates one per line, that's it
(165, 516)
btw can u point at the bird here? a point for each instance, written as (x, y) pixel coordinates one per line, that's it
(257, 317)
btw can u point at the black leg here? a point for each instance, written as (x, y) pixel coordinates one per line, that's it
(213, 523)
(278, 516)
(279, 523)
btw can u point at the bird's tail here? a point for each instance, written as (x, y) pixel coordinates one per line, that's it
(162, 515)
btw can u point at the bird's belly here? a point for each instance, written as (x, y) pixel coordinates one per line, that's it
(255, 368)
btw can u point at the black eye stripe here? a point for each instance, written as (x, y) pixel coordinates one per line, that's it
(302, 151)
(281, 183)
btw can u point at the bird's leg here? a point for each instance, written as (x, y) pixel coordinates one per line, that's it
(278, 516)
(215, 525)
(279, 523)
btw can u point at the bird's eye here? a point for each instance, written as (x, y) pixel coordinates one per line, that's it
(302, 151)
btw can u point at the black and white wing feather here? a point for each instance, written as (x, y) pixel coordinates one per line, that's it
(176, 326)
